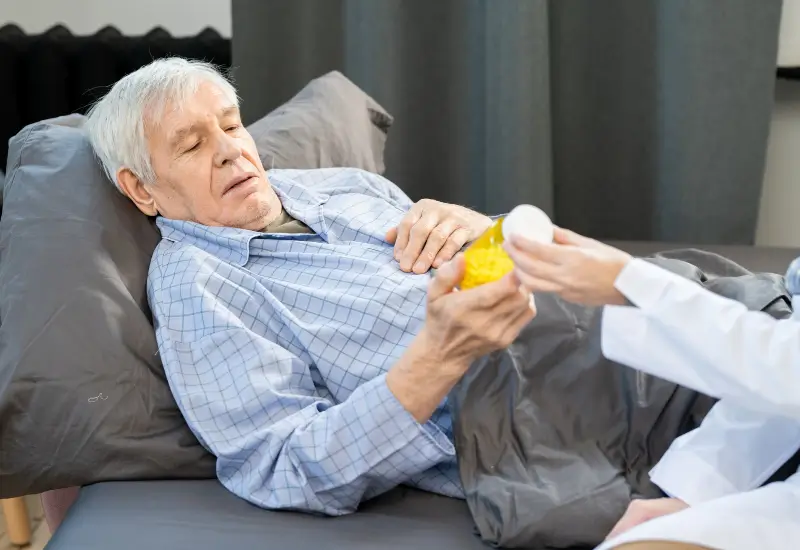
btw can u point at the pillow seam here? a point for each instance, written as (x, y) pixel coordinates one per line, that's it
(7, 185)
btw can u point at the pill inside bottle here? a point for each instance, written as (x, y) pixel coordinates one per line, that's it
(485, 259)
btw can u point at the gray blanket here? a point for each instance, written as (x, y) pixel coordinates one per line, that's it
(554, 440)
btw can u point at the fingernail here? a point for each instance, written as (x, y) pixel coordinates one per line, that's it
(419, 267)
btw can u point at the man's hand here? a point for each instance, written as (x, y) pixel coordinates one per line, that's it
(432, 232)
(460, 327)
(578, 269)
(465, 325)
(640, 511)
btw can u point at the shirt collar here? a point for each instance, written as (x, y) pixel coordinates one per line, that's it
(233, 245)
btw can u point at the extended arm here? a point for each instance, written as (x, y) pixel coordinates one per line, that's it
(684, 333)
(256, 407)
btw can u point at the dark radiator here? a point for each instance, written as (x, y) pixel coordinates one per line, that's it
(57, 73)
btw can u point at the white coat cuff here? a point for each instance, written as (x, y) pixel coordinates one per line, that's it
(644, 283)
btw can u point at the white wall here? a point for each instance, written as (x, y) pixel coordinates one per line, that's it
(180, 17)
(779, 219)
(789, 46)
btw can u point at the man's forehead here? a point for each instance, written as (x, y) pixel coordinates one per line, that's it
(188, 113)
(180, 122)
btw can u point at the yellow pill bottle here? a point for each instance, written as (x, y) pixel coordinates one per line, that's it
(486, 261)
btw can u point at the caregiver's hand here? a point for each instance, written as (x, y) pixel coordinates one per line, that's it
(578, 269)
(640, 511)
(432, 232)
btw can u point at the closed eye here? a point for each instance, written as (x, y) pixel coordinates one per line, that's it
(193, 147)
(233, 128)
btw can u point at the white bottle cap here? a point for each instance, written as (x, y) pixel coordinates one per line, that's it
(530, 222)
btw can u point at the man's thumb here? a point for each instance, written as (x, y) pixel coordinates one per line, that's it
(447, 278)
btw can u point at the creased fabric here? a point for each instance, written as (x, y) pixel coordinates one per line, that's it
(554, 440)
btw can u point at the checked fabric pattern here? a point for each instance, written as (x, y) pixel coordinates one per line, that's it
(276, 347)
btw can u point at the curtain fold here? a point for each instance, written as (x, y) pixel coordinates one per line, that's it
(634, 120)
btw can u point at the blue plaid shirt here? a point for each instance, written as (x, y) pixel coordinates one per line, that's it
(276, 347)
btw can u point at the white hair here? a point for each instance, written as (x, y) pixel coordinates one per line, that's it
(116, 123)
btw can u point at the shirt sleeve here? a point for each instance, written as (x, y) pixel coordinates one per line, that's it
(253, 404)
(734, 450)
(684, 333)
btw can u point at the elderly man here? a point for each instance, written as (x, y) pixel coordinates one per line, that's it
(305, 340)
(307, 353)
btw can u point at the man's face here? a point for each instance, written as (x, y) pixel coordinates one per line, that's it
(206, 165)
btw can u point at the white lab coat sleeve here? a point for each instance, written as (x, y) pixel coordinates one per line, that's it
(734, 450)
(683, 333)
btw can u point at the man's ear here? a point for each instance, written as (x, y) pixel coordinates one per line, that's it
(135, 189)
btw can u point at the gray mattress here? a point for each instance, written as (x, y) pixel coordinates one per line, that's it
(202, 515)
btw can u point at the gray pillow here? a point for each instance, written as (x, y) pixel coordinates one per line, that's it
(83, 397)
(331, 122)
(83, 394)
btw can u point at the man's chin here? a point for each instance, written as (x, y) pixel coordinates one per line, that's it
(257, 216)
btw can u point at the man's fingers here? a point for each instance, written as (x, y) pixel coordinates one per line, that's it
(492, 295)
(404, 230)
(418, 236)
(391, 235)
(437, 240)
(447, 278)
(455, 243)
(520, 321)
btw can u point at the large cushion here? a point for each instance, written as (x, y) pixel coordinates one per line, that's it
(83, 396)
(331, 122)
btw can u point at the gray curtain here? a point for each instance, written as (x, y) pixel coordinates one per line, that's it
(624, 119)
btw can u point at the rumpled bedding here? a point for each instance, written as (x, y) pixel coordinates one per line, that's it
(554, 440)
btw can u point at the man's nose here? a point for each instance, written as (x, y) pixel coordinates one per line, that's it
(228, 149)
